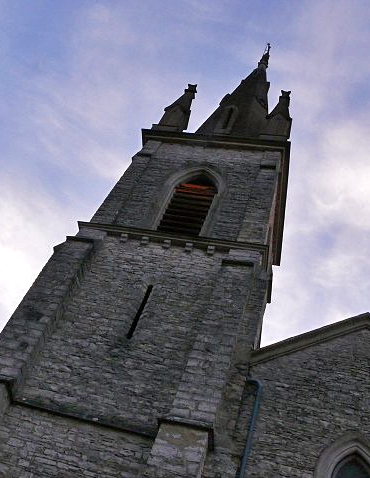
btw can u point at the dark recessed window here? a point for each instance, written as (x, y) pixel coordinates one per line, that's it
(352, 467)
(188, 207)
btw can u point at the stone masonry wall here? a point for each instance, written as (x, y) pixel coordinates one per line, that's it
(36, 444)
(88, 366)
(66, 350)
(144, 187)
(41, 308)
(224, 460)
(259, 214)
(176, 364)
(310, 398)
(107, 212)
(207, 402)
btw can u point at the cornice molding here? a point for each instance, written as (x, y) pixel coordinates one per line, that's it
(175, 240)
(214, 141)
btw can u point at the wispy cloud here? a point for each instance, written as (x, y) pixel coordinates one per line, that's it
(32, 220)
(326, 248)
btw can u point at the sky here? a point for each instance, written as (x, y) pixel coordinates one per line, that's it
(81, 78)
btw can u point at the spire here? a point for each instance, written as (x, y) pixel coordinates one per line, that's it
(244, 112)
(176, 116)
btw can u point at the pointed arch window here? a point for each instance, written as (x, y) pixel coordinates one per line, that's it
(352, 467)
(347, 457)
(188, 207)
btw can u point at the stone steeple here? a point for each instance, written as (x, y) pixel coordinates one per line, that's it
(129, 354)
(244, 112)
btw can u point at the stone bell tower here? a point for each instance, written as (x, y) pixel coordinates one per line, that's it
(129, 354)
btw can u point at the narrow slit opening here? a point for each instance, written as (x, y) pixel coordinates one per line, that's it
(227, 118)
(139, 312)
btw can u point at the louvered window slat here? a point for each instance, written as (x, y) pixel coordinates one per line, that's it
(188, 208)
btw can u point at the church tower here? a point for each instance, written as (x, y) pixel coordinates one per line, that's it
(129, 355)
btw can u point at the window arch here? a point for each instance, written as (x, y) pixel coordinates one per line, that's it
(347, 457)
(188, 206)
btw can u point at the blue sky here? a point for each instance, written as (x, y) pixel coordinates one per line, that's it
(80, 78)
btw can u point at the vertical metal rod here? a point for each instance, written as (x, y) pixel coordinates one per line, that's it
(248, 444)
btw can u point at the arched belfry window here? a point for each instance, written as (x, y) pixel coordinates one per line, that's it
(188, 207)
(351, 467)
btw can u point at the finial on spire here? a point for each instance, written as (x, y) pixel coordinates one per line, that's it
(265, 57)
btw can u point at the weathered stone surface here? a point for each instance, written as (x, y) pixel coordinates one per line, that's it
(193, 312)
(310, 398)
(4, 400)
(87, 397)
(39, 312)
(178, 452)
(43, 445)
(243, 206)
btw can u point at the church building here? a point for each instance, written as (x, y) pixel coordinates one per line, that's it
(136, 352)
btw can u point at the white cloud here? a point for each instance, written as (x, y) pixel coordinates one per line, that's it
(323, 276)
(32, 221)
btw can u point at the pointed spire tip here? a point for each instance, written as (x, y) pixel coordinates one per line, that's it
(266, 55)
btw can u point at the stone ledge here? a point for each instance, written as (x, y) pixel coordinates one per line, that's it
(120, 425)
(80, 239)
(205, 427)
(220, 141)
(237, 262)
(151, 235)
(74, 239)
(268, 165)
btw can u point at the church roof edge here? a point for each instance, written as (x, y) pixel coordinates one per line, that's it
(308, 339)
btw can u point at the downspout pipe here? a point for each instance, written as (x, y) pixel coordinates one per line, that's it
(248, 444)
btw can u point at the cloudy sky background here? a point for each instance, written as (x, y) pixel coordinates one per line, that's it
(80, 78)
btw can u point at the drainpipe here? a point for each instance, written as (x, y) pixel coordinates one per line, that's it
(252, 422)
